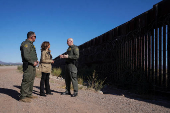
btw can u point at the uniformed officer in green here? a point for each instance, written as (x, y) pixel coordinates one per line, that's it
(71, 57)
(30, 61)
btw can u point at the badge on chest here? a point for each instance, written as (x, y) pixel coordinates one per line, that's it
(69, 49)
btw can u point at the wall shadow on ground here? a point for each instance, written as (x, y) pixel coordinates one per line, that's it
(153, 99)
(10, 92)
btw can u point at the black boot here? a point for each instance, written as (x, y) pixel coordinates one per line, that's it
(74, 95)
(42, 94)
(49, 93)
(66, 93)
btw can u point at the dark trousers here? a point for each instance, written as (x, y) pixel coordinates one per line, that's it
(27, 81)
(45, 79)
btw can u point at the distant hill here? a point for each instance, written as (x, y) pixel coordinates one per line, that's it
(9, 63)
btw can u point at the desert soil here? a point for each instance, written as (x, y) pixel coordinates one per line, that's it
(87, 101)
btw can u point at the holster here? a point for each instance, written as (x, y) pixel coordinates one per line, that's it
(25, 66)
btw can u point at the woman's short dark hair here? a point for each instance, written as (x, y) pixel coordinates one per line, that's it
(30, 33)
(44, 45)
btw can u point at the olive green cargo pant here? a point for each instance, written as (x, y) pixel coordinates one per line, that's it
(27, 81)
(71, 76)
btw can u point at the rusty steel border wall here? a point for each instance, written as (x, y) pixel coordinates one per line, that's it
(141, 43)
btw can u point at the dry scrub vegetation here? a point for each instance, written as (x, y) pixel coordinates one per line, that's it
(92, 81)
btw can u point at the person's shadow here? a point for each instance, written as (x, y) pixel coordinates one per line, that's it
(34, 92)
(14, 94)
(37, 92)
(51, 90)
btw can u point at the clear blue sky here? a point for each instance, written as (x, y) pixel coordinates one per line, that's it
(57, 20)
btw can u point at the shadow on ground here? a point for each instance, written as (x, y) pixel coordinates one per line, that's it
(37, 92)
(38, 87)
(14, 94)
(34, 92)
(153, 99)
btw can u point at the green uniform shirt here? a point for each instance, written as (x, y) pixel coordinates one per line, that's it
(28, 52)
(73, 54)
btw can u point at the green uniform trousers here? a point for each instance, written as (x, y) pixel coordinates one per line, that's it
(71, 76)
(27, 81)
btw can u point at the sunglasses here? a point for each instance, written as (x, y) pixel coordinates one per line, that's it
(34, 36)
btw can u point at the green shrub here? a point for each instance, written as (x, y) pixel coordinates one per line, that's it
(80, 80)
(56, 72)
(20, 68)
(94, 82)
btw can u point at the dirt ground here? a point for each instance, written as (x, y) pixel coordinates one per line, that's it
(87, 101)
